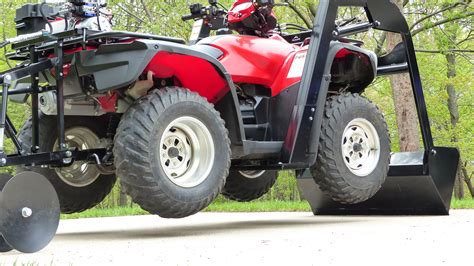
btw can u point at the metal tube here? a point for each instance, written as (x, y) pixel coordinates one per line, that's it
(34, 102)
(306, 117)
(3, 112)
(11, 131)
(354, 29)
(418, 92)
(392, 69)
(60, 94)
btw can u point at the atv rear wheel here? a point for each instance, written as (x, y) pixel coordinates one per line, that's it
(245, 186)
(172, 153)
(80, 186)
(354, 150)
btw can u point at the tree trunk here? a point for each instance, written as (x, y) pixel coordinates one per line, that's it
(467, 179)
(405, 108)
(454, 113)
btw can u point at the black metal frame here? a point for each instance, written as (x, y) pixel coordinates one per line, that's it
(32, 48)
(417, 183)
(302, 144)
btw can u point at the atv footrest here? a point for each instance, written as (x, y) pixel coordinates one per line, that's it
(414, 186)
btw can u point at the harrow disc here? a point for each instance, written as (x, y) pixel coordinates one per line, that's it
(30, 212)
(4, 247)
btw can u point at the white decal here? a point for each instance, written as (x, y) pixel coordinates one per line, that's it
(196, 30)
(296, 70)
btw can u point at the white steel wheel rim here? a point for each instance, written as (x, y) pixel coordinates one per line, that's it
(79, 174)
(252, 174)
(186, 152)
(360, 147)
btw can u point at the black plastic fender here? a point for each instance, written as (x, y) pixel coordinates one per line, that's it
(354, 72)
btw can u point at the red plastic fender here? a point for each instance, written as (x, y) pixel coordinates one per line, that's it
(193, 73)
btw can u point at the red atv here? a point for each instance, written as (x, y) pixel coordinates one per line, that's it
(231, 107)
(179, 124)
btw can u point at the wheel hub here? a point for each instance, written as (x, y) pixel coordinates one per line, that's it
(360, 147)
(357, 147)
(177, 153)
(79, 174)
(186, 152)
(173, 152)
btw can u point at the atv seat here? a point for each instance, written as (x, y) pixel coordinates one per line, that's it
(396, 56)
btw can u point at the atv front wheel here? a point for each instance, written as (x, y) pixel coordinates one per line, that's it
(80, 186)
(172, 153)
(354, 149)
(245, 186)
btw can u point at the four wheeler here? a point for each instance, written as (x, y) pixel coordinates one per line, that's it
(179, 124)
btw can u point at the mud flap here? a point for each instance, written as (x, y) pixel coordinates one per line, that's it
(414, 186)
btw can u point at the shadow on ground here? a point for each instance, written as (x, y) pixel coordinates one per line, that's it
(171, 231)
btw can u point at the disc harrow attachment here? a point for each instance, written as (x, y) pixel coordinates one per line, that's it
(29, 212)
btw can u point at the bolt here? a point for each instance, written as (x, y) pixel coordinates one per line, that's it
(157, 47)
(313, 110)
(433, 152)
(7, 78)
(68, 154)
(26, 212)
(3, 161)
(311, 118)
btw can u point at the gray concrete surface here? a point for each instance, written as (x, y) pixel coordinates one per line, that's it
(259, 239)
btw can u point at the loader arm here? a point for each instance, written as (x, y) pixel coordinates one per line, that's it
(308, 111)
(418, 182)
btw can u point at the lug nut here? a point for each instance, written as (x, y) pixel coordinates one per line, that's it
(26, 212)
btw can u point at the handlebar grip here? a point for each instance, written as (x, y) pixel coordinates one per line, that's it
(188, 17)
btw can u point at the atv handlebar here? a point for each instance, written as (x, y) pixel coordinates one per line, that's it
(189, 17)
(198, 11)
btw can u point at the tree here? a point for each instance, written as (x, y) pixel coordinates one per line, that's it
(407, 117)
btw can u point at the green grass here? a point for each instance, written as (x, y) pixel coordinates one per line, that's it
(113, 212)
(462, 204)
(258, 206)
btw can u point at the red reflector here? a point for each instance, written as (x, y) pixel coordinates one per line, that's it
(343, 53)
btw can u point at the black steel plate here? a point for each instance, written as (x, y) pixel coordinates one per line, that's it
(406, 191)
(32, 190)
